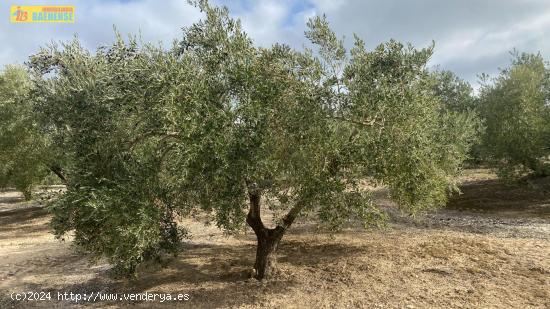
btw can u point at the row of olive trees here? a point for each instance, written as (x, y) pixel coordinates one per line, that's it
(143, 135)
(26, 156)
(515, 107)
(514, 113)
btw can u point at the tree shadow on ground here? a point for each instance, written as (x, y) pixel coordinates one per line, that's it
(218, 276)
(20, 222)
(11, 199)
(529, 197)
(302, 253)
(214, 276)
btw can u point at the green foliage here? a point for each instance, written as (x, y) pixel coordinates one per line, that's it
(516, 110)
(455, 93)
(456, 97)
(22, 146)
(112, 112)
(155, 134)
(409, 144)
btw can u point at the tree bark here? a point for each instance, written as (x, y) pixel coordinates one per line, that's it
(266, 253)
(267, 239)
(58, 171)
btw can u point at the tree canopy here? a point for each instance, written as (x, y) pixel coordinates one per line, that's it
(219, 125)
(516, 109)
(25, 156)
(454, 93)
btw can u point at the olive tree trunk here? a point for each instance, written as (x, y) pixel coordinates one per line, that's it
(266, 256)
(267, 239)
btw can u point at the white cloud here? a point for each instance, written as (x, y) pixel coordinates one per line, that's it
(472, 36)
(264, 21)
(94, 25)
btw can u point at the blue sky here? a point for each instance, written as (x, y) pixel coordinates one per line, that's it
(472, 36)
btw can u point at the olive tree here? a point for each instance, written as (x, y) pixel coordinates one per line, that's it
(516, 109)
(218, 125)
(457, 97)
(454, 93)
(25, 159)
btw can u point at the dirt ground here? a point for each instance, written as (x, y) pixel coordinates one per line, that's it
(490, 248)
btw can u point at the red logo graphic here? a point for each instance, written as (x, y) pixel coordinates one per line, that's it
(20, 15)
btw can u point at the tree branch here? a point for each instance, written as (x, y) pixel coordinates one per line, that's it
(369, 123)
(254, 218)
(290, 217)
(58, 171)
(162, 135)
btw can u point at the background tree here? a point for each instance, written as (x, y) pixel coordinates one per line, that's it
(454, 93)
(516, 110)
(218, 125)
(25, 159)
(457, 97)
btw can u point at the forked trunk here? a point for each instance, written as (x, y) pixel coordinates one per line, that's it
(266, 253)
(268, 239)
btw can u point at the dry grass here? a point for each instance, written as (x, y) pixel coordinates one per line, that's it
(498, 257)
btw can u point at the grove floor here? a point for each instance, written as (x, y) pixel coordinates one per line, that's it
(490, 248)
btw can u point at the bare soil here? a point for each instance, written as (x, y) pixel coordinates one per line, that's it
(490, 248)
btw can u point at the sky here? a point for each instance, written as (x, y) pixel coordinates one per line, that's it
(471, 36)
